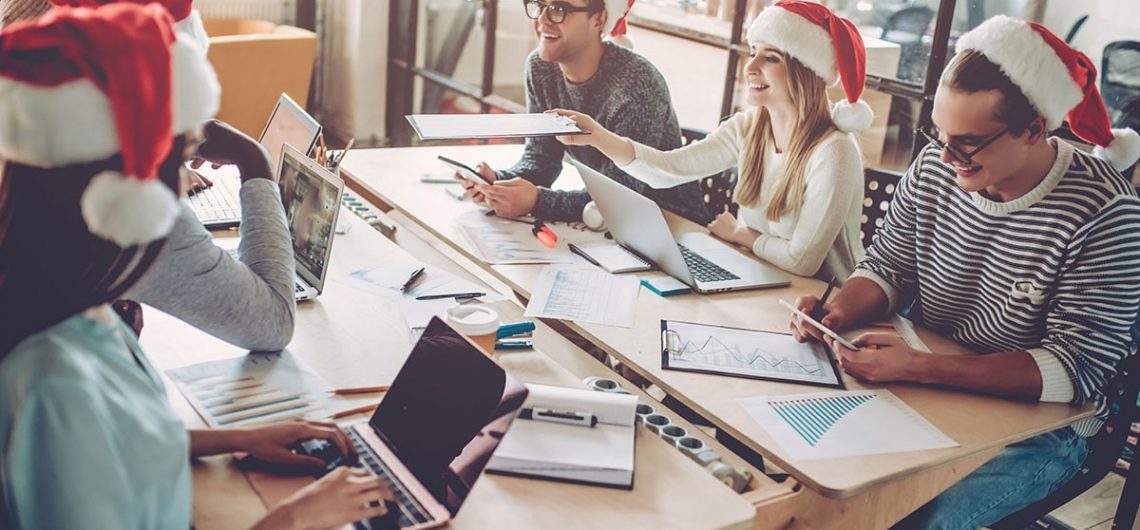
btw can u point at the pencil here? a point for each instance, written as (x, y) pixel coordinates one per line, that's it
(359, 390)
(350, 412)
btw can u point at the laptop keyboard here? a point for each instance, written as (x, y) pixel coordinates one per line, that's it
(410, 511)
(215, 204)
(703, 269)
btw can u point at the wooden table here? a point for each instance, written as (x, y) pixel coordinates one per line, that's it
(981, 425)
(353, 337)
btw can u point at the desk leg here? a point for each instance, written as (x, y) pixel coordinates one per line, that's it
(874, 509)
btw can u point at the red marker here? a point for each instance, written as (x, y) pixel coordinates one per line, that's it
(545, 236)
(540, 226)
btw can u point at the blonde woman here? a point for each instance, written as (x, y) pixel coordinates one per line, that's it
(801, 172)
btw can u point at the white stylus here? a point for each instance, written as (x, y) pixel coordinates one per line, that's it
(826, 330)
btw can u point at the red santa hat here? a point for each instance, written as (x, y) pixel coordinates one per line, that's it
(1058, 81)
(826, 44)
(186, 19)
(81, 85)
(620, 28)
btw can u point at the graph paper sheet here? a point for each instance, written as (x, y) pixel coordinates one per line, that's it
(746, 353)
(843, 424)
(584, 294)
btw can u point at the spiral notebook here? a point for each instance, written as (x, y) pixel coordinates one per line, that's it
(612, 257)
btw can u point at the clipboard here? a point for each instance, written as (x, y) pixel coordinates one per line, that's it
(751, 354)
(484, 126)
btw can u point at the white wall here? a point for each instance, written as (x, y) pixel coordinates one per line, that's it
(1109, 20)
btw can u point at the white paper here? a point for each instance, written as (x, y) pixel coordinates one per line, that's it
(255, 389)
(746, 352)
(842, 424)
(615, 258)
(464, 126)
(584, 294)
(500, 241)
(611, 408)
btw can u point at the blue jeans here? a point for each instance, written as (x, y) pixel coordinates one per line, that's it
(1024, 473)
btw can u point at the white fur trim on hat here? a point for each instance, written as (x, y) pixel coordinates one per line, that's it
(72, 123)
(852, 117)
(615, 9)
(128, 211)
(1123, 151)
(192, 28)
(1023, 55)
(798, 37)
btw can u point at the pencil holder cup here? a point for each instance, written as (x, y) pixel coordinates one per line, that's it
(601, 384)
(656, 421)
(672, 433)
(642, 411)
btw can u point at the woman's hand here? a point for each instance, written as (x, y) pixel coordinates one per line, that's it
(341, 497)
(728, 228)
(584, 122)
(271, 443)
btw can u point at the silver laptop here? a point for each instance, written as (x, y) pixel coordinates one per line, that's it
(311, 196)
(436, 428)
(218, 206)
(696, 258)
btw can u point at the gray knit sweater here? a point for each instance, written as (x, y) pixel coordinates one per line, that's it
(628, 96)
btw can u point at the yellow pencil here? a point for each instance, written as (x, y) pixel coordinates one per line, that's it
(359, 390)
(350, 412)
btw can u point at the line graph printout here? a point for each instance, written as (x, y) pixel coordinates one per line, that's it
(838, 424)
(746, 353)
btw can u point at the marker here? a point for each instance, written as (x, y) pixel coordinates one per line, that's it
(544, 234)
(815, 323)
(581, 419)
(412, 279)
(513, 344)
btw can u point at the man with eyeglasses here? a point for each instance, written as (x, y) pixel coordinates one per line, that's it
(1014, 244)
(574, 68)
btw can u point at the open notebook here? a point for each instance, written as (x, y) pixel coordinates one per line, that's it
(602, 454)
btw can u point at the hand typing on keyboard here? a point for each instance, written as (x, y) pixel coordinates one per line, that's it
(342, 497)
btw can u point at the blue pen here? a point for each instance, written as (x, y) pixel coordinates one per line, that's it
(514, 328)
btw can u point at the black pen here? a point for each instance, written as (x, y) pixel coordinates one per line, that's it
(412, 279)
(574, 248)
(817, 313)
(450, 295)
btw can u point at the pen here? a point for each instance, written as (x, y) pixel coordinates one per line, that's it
(581, 419)
(574, 248)
(412, 279)
(359, 390)
(450, 295)
(817, 312)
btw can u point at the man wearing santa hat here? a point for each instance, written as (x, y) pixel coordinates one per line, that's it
(1013, 243)
(574, 68)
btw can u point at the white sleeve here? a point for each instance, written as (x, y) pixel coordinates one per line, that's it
(717, 152)
(834, 173)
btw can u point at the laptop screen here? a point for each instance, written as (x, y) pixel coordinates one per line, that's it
(289, 124)
(446, 412)
(311, 204)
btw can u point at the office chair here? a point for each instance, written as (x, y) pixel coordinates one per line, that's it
(878, 187)
(1105, 448)
(716, 190)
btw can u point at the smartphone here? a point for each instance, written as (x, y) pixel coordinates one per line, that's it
(463, 170)
(817, 325)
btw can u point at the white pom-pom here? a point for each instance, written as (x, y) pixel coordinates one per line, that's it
(127, 211)
(622, 40)
(1123, 151)
(852, 117)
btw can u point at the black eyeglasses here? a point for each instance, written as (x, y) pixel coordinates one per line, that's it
(965, 157)
(556, 11)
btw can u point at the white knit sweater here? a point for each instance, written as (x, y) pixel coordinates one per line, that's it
(820, 239)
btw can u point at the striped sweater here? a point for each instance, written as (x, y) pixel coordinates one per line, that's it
(1055, 272)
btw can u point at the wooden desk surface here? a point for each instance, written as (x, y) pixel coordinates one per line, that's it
(978, 423)
(351, 337)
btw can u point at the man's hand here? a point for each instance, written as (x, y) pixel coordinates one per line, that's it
(222, 144)
(834, 317)
(882, 358)
(510, 198)
(469, 190)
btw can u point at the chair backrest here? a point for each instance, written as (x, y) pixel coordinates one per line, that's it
(716, 190)
(878, 188)
(908, 24)
(1120, 75)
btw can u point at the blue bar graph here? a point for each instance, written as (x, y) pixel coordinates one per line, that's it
(812, 417)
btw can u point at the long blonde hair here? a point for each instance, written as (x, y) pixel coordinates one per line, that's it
(813, 124)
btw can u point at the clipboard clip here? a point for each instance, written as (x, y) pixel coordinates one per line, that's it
(672, 341)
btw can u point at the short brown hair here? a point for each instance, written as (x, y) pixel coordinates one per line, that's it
(970, 71)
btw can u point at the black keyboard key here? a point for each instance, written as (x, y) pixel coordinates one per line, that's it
(703, 269)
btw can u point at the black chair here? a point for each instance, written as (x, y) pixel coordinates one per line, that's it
(715, 189)
(1105, 448)
(906, 27)
(1120, 76)
(878, 187)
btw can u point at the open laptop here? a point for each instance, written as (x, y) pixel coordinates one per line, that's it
(695, 258)
(437, 426)
(218, 206)
(311, 195)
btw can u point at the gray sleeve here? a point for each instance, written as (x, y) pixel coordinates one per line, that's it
(541, 161)
(249, 303)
